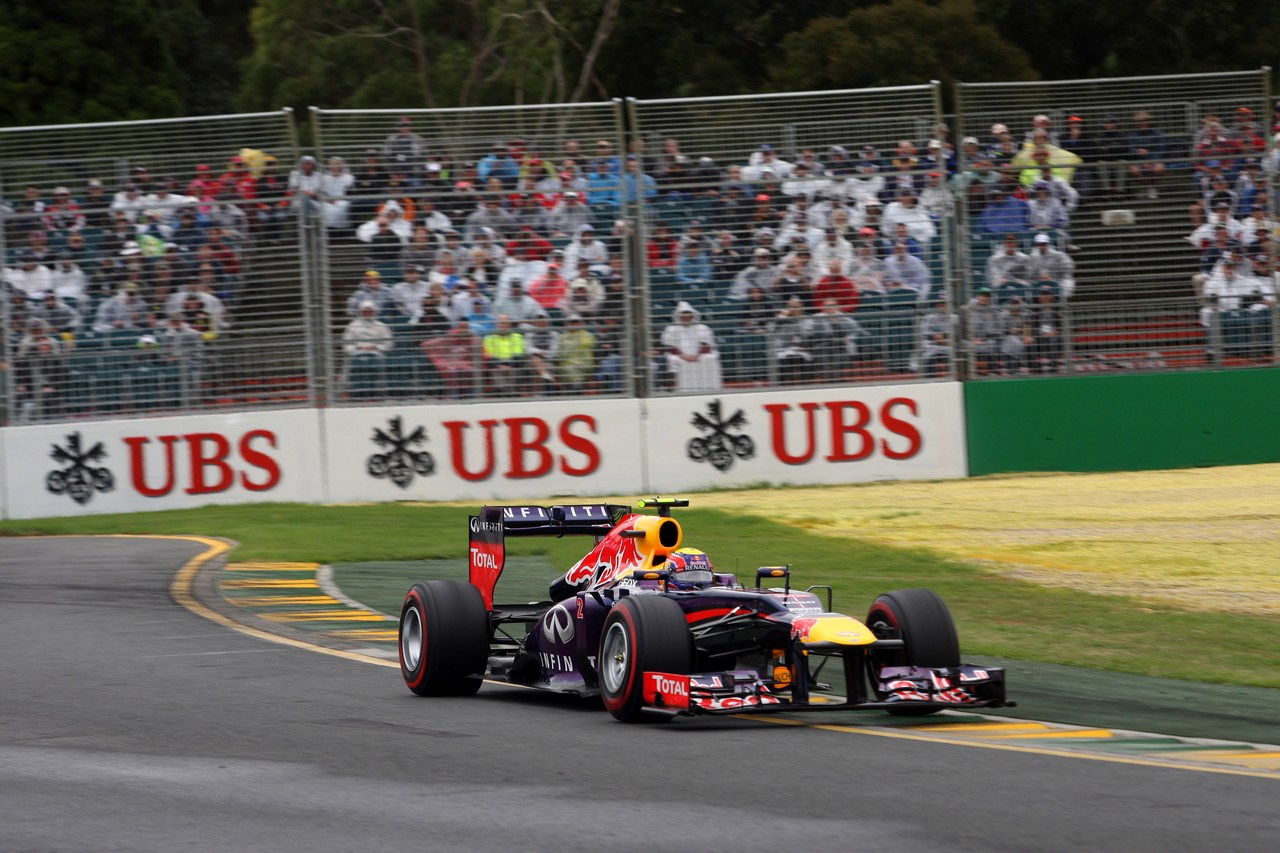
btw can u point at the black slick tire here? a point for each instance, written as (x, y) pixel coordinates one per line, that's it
(444, 638)
(922, 621)
(642, 633)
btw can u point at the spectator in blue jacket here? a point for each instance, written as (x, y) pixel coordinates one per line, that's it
(1146, 154)
(1004, 214)
(636, 185)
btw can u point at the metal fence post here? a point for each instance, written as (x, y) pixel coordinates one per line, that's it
(639, 338)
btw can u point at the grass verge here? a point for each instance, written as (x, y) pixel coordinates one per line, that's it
(997, 615)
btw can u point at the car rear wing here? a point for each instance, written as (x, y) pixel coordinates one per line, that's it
(486, 551)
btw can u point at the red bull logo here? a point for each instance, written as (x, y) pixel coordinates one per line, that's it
(801, 627)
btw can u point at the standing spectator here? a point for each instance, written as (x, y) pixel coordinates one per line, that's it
(791, 344)
(1146, 154)
(936, 333)
(693, 359)
(577, 355)
(542, 345)
(306, 185)
(335, 186)
(637, 187)
(404, 149)
(1080, 142)
(39, 375)
(1049, 264)
(182, 347)
(985, 329)
(1113, 150)
(1046, 326)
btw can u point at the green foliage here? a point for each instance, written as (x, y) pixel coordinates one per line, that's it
(131, 59)
(898, 43)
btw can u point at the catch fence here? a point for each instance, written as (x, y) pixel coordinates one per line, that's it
(253, 263)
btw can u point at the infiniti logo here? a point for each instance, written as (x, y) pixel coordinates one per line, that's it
(557, 625)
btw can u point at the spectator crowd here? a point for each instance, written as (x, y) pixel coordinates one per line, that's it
(513, 273)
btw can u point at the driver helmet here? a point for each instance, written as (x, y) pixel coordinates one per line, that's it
(690, 567)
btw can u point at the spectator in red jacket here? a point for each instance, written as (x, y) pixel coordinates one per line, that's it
(836, 285)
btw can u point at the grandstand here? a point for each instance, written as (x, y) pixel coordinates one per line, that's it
(638, 247)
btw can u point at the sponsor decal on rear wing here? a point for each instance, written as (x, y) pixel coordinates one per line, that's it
(558, 520)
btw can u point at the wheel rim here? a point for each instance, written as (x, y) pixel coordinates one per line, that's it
(616, 658)
(411, 638)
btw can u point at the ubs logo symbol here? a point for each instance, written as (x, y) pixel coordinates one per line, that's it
(721, 446)
(80, 478)
(400, 462)
(557, 625)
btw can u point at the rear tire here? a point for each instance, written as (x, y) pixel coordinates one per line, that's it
(642, 633)
(922, 621)
(444, 638)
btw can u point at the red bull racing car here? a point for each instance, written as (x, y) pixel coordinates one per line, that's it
(654, 630)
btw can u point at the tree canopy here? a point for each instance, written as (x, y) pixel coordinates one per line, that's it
(79, 61)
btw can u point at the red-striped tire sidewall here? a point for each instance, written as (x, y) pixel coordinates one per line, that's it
(613, 703)
(414, 599)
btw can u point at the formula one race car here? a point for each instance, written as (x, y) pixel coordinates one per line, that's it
(654, 630)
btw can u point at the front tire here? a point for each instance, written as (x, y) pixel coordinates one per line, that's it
(642, 633)
(444, 638)
(922, 621)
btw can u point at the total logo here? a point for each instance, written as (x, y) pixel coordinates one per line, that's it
(666, 689)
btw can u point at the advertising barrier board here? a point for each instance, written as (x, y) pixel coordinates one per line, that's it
(162, 463)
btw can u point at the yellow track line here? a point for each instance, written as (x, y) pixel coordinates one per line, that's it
(269, 583)
(180, 589)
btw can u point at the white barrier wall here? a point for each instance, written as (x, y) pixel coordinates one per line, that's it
(836, 435)
(162, 463)
(484, 451)
(487, 451)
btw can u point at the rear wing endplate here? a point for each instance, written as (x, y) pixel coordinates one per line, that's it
(486, 548)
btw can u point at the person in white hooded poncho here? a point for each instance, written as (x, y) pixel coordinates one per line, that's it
(335, 184)
(692, 356)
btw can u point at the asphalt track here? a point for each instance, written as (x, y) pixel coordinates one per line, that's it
(129, 723)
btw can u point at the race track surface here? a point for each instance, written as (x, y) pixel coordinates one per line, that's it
(128, 723)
